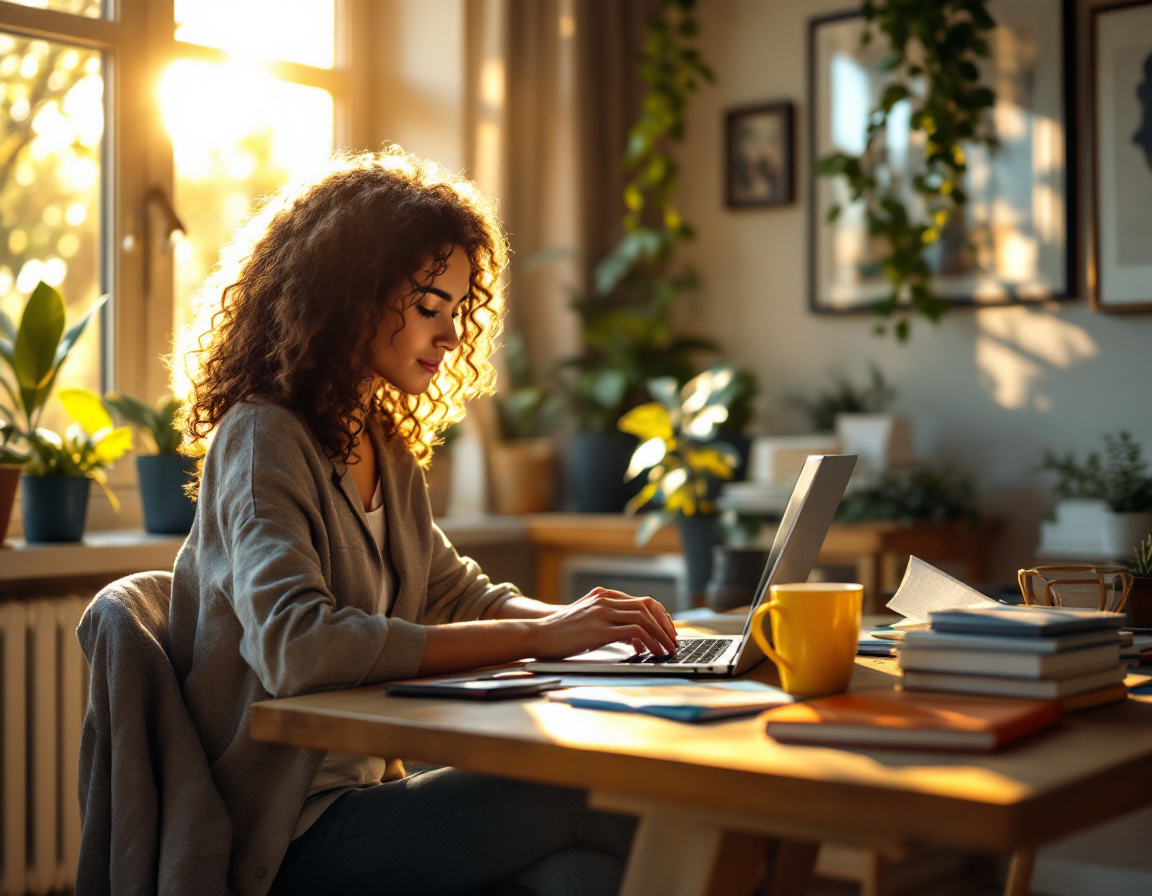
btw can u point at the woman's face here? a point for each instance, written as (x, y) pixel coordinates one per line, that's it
(408, 354)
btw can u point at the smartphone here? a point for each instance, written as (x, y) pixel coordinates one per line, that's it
(473, 688)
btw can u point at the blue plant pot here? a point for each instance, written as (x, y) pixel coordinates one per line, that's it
(54, 508)
(167, 509)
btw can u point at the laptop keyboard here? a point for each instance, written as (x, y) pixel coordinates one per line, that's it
(692, 650)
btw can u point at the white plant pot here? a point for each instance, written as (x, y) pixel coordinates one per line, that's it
(881, 441)
(1121, 532)
(1077, 529)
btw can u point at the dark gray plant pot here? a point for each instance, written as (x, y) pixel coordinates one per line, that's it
(54, 508)
(167, 509)
(698, 536)
(736, 574)
(595, 463)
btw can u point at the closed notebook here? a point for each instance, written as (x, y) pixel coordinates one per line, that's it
(1012, 665)
(683, 703)
(1024, 622)
(968, 641)
(910, 720)
(1034, 688)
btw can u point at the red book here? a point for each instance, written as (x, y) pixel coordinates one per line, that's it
(911, 719)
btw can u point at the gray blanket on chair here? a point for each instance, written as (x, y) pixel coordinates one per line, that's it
(153, 820)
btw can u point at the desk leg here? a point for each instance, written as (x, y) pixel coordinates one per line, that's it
(790, 868)
(549, 574)
(868, 575)
(708, 860)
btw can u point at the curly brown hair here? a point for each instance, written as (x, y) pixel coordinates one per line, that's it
(306, 281)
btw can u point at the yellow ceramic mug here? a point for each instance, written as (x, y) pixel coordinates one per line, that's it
(815, 629)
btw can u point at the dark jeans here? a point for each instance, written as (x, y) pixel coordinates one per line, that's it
(447, 832)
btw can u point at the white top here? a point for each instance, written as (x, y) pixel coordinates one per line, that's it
(341, 772)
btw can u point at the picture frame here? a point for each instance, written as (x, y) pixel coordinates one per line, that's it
(1122, 157)
(1013, 242)
(759, 153)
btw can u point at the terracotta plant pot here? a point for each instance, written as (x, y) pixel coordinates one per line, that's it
(523, 476)
(1139, 605)
(9, 480)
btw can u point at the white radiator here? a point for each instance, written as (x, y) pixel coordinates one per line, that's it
(44, 678)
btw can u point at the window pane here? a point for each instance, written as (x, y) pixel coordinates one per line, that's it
(51, 136)
(93, 9)
(237, 135)
(262, 29)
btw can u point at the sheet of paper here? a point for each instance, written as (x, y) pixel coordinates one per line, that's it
(926, 588)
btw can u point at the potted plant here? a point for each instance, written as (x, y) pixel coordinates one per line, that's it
(56, 476)
(523, 462)
(859, 416)
(683, 462)
(1119, 479)
(32, 356)
(163, 473)
(934, 494)
(628, 336)
(1139, 605)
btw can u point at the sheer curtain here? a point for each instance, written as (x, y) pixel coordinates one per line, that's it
(553, 86)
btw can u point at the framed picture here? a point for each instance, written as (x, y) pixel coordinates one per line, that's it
(760, 169)
(1010, 243)
(1122, 154)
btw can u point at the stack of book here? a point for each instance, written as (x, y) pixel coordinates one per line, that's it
(1046, 653)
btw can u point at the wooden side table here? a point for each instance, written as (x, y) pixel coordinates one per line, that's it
(879, 551)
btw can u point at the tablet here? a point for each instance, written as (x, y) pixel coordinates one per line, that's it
(473, 688)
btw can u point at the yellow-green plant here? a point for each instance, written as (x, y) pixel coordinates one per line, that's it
(89, 446)
(32, 355)
(1142, 565)
(158, 424)
(676, 447)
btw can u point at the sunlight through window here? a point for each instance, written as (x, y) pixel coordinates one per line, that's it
(260, 30)
(237, 134)
(51, 142)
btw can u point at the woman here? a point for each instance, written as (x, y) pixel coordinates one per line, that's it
(357, 314)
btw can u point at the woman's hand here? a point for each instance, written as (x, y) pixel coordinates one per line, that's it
(601, 617)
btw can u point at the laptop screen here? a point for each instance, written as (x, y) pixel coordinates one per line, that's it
(802, 528)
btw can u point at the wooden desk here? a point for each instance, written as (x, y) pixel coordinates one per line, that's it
(710, 796)
(879, 551)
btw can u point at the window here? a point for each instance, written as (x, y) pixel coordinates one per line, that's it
(53, 169)
(134, 136)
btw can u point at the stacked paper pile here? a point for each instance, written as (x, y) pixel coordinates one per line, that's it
(1047, 653)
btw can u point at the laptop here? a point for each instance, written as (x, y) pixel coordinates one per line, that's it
(805, 522)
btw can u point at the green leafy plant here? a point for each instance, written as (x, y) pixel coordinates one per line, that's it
(1142, 564)
(935, 46)
(525, 410)
(158, 423)
(1120, 477)
(32, 356)
(87, 447)
(676, 447)
(845, 397)
(937, 495)
(626, 322)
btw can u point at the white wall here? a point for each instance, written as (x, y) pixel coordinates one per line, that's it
(989, 389)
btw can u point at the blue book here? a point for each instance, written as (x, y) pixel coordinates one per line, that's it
(1023, 622)
(681, 703)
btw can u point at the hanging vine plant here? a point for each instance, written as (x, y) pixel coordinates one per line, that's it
(935, 46)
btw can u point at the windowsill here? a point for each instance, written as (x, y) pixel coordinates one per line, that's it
(99, 553)
(125, 551)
